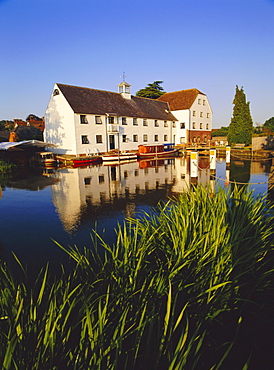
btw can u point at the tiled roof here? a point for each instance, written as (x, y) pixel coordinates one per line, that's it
(179, 100)
(89, 101)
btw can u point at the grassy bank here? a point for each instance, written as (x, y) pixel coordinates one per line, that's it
(188, 287)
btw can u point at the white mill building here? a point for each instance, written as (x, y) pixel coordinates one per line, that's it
(81, 121)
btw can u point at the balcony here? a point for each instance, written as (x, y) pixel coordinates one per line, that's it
(112, 128)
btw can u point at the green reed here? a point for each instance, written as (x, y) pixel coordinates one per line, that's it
(174, 291)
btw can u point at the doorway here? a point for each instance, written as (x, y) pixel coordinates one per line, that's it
(111, 142)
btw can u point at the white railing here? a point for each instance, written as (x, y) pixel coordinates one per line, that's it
(112, 128)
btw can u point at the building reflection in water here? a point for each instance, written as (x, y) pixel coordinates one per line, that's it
(84, 194)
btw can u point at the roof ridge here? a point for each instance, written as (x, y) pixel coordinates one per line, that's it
(88, 88)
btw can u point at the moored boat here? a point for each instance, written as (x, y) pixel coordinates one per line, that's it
(86, 161)
(156, 151)
(45, 158)
(117, 157)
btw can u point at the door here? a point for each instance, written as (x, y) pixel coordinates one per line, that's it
(111, 142)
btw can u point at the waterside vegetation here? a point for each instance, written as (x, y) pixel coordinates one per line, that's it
(6, 167)
(189, 286)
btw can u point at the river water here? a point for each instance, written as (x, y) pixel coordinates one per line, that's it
(38, 209)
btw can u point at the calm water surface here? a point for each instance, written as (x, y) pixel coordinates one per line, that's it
(66, 205)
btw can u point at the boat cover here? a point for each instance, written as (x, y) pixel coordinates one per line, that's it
(11, 144)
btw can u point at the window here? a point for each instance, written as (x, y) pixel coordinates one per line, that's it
(183, 125)
(201, 126)
(98, 120)
(199, 101)
(85, 139)
(207, 126)
(83, 118)
(194, 113)
(135, 138)
(145, 122)
(173, 124)
(203, 102)
(165, 124)
(207, 115)
(194, 139)
(165, 137)
(99, 139)
(111, 119)
(87, 180)
(205, 139)
(145, 137)
(156, 123)
(124, 121)
(101, 179)
(124, 138)
(194, 125)
(135, 123)
(201, 114)
(156, 137)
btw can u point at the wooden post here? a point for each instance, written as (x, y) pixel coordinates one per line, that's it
(227, 156)
(194, 156)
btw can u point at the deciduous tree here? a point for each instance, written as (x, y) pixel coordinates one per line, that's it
(269, 124)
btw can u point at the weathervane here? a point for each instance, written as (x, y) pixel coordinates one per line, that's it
(124, 76)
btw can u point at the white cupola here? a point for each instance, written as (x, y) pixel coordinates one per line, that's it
(124, 89)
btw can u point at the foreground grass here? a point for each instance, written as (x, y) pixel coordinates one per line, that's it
(189, 287)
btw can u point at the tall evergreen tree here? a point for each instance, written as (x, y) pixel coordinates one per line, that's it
(241, 125)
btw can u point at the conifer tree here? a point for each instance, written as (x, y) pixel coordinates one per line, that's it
(241, 125)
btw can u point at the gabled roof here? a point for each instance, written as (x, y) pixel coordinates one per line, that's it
(90, 101)
(179, 100)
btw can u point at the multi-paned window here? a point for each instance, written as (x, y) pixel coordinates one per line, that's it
(194, 125)
(99, 139)
(135, 122)
(199, 101)
(145, 122)
(207, 115)
(156, 123)
(124, 120)
(207, 126)
(182, 125)
(98, 120)
(204, 102)
(156, 138)
(201, 114)
(145, 137)
(84, 139)
(201, 126)
(165, 124)
(110, 119)
(173, 124)
(135, 138)
(165, 137)
(194, 113)
(124, 138)
(83, 118)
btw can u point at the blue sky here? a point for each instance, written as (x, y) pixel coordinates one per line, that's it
(211, 45)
